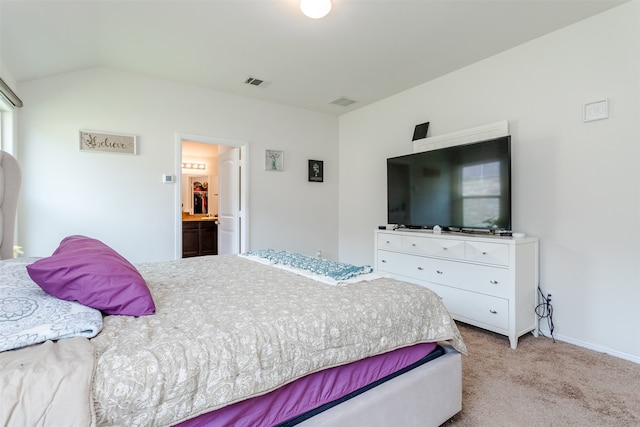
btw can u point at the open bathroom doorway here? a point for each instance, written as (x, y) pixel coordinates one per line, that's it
(212, 189)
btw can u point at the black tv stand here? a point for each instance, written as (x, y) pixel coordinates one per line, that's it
(472, 231)
(455, 230)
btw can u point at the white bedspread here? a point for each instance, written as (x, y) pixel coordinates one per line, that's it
(227, 328)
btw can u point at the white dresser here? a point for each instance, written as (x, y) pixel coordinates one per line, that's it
(489, 281)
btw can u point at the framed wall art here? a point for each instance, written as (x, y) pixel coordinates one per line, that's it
(316, 171)
(274, 160)
(107, 142)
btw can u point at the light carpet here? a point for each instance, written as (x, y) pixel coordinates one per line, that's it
(544, 383)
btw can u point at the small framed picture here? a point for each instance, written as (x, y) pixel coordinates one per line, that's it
(316, 170)
(274, 160)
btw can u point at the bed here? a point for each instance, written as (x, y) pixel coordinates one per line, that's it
(244, 340)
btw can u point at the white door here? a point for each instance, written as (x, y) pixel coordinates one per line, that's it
(229, 230)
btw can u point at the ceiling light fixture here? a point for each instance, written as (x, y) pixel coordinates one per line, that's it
(315, 9)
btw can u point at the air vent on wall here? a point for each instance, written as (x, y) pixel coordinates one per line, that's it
(343, 101)
(253, 81)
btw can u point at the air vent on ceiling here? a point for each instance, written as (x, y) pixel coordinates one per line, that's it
(343, 101)
(253, 81)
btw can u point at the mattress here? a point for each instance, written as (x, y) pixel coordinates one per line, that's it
(317, 392)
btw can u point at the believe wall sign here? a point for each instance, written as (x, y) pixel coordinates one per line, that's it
(107, 142)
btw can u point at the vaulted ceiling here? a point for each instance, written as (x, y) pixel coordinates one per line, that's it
(364, 50)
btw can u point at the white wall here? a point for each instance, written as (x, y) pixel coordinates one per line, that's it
(121, 199)
(575, 185)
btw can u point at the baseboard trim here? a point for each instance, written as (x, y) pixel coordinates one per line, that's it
(579, 343)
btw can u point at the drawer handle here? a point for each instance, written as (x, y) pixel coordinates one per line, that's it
(383, 260)
(493, 282)
(484, 253)
(444, 249)
(413, 244)
(420, 268)
(388, 242)
(493, 312)
(439, 271)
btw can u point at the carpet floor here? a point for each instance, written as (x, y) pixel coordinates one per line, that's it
(544, 383)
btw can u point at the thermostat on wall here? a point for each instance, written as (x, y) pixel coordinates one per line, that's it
(167, 179)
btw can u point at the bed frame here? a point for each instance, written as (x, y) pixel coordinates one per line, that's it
(426, 396)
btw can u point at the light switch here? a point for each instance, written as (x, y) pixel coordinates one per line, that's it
(596, 110)
(167, 179)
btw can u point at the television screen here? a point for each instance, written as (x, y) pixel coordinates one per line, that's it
(459, 187)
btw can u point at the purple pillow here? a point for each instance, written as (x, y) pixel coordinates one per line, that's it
(88, 271)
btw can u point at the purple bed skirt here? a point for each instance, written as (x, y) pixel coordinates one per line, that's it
(313, 391)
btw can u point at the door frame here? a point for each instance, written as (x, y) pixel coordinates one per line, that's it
(244, 185)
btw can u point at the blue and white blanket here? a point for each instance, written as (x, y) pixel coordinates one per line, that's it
(28, 315)
(321, 269)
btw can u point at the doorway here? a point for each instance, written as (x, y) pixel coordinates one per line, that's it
(225, 189)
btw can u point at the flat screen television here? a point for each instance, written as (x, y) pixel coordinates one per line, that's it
(459, 188)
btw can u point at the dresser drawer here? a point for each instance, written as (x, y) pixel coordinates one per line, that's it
(447, 248)
(472, 307)
(472, 277)
(411, 266)
(389, 242)
(417, 245)
(488, 253)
